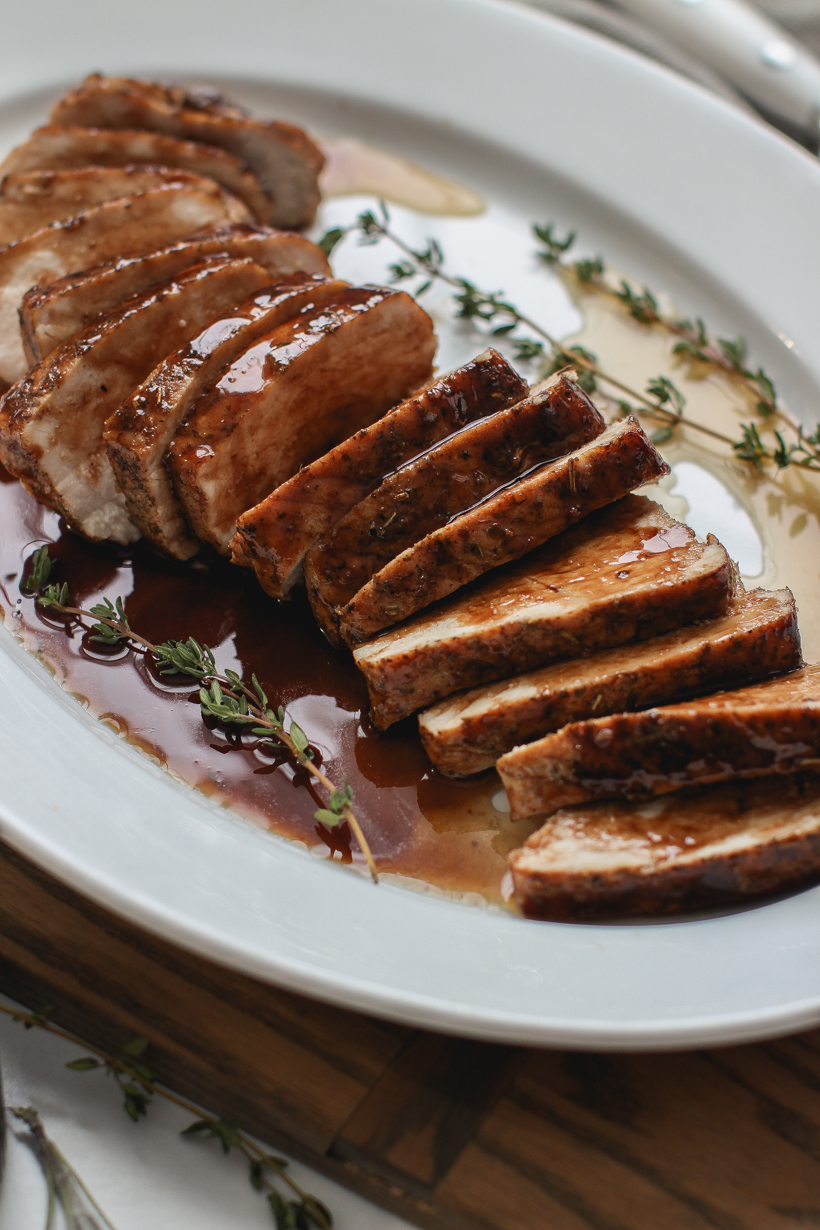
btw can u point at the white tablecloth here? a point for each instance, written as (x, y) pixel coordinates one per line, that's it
(144, 1175)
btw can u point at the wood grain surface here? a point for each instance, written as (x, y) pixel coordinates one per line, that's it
(450, 1134)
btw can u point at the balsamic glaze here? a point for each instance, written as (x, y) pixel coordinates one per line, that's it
(418, 824)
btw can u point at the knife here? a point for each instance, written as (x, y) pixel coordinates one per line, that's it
(754, 54)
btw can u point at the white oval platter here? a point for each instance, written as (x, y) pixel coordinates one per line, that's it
(675, 186)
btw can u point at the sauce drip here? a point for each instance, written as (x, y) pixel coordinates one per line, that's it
(419, 825)
(353, 168)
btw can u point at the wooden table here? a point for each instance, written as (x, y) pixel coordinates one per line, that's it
(447, 1133)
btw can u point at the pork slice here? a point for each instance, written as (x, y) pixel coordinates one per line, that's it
(426, 494)
(714, 846)
(771, 727)
(504, 527)
(626, 573)
(301, 390)
(51, 422)
(756, 638)
(29, 202)
(140, 432)
(51, 314)
(129, 224)
(282, 157)
(55, 148)
(274, 537)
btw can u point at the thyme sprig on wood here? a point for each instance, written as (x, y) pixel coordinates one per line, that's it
(661, 400)
(298, 1211)
(223, 696)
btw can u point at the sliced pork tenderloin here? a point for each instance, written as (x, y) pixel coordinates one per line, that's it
(771, 727)
(703, 848)
(626, 573)
(756, 638)
(55, 148)
(504, 527)
(30, 202)
(282, 157)
(129, 224)
(140, 433)
(274, 537)
(50, 315)
(454, 476)
(51, 423)
(293, 395)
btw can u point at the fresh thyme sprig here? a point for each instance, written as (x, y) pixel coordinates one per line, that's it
(225, 697)
(661, 400)
(301, 1211)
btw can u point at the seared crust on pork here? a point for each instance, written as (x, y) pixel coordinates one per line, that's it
(577, 595)
(771, 727)
(29, 202)
(504, 527)
(140, 433)
(757, 637)
(55, 148)
(274, 537)
(457, 474)
(290, 397)
(714, 846)
(51, 423)
(282, 157)
(51, 314)
(129, 224)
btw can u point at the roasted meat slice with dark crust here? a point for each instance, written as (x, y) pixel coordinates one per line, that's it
(51, 423)
(626, 573)
(756, 638)
(129, 224)
(503, 528)
(140, 432)
(708, 847)
(429, 492)
(29, 202)
(303, 389)
(55, 148)
(771, 727)
(274, 537)
(282, 157)
(51, 314)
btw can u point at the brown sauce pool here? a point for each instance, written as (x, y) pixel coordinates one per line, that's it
(419, 825)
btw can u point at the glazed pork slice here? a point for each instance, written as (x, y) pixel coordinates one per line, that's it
(274, 537)
(56, 148)
(626, 573)
(140, 432)
(714, 846)
(51, 423)
(282, 157)
(454, 476)
(503, 527)
(129, 224)
(29, 202)
(293, 395)
(771, 727)
(51, 314)
(756, 638)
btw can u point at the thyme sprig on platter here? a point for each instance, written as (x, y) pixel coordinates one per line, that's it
(661, 400)
(224, 696)
(136, 1077)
